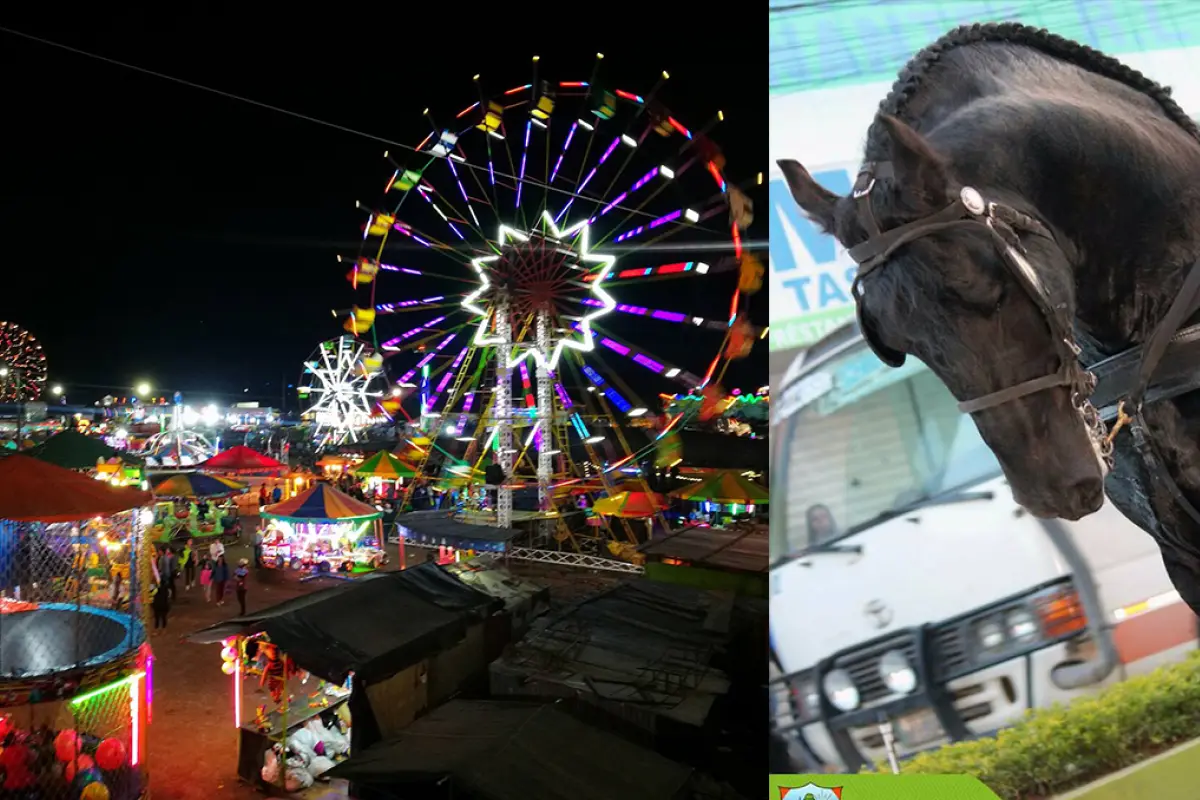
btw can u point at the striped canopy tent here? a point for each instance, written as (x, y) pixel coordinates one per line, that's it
(35, 491)
(321, 503)
(632, 502)
(725, 486)
(194, 486)
(241, 459)
(386, 466)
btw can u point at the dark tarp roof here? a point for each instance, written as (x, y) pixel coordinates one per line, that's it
(642, 642)
(744, 547)
(373, 626)
(516, 751)
(439, 523)
(72, 450)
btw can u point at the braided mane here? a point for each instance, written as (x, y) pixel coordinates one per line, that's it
(909, 81)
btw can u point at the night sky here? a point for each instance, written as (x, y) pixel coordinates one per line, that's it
(154, 231)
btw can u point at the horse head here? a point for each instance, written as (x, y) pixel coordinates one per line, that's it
(968, 280)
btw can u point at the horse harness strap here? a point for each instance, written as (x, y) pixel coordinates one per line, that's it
(1003, 224)
(1120, 381)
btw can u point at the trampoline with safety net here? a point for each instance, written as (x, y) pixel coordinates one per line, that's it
(75, 667)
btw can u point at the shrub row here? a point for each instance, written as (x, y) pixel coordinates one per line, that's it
(1058, 748)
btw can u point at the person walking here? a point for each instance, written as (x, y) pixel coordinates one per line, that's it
(258, 548)
(220, 577)
(239, 583)
(161, 605)
(216, 549)
(263, 497)
(276, 494)
(187, 559)
(206, 571)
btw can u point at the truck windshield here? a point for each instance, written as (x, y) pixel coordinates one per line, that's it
(857, 440)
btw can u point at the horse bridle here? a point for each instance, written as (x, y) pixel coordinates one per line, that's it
(1005, 225)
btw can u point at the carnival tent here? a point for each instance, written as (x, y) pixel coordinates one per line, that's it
(631, 502)
(725, 487)
(386, 466)
(35, 491)
(242, 459)
(321, 503)
(193, 486)
(73, 450)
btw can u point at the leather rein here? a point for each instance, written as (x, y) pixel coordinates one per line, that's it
(1166, 366)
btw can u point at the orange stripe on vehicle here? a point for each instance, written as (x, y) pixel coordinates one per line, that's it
(1154, 631)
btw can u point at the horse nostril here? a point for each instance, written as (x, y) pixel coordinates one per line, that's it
(1088, 494)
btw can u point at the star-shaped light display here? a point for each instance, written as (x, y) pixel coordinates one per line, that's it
(580, 254)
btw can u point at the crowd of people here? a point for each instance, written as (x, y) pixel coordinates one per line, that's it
(207, 568)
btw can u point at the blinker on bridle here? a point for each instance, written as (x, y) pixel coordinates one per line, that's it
(1004, 224)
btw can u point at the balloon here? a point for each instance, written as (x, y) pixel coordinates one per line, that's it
(94, 791)
(83, 762)
(66, 745)
(228, 667)
(110, 754)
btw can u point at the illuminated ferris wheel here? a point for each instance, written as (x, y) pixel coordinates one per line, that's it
(517, 225)
(22, 364)
(339, 389)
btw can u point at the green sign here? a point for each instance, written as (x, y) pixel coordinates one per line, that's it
(878, 787)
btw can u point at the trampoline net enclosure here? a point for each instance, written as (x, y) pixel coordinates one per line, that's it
(74, 667)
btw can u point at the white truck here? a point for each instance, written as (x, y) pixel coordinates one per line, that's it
(911, 597)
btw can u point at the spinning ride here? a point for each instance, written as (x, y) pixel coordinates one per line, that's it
(340, 387)
(74, 662)
(177, 446)
(553, 202)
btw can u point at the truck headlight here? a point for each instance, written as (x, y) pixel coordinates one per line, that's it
(898, 675)
(1021, 624)
(841, 691)
(990, 633)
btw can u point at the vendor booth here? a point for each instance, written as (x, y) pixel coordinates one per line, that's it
(324, 530)
(320, 677)
(73, 450)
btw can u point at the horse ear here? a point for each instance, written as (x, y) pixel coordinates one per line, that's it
(920, 170)
(814, 199)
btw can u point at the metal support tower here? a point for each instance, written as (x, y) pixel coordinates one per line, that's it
(545, 411)
(502, 412)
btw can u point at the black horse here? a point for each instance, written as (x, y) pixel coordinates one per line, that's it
(1028, 206)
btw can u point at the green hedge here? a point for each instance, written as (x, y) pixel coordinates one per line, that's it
(1058, 748)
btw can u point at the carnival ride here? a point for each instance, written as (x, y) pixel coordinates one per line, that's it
(75, 686)
(177, 446)
(323, 530)
(22, 364)
(339, 389)
(553, 202)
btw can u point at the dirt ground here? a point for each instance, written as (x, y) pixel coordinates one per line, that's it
(192, 748)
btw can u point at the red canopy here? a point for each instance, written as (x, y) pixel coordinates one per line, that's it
(34, 491)
(241, 459)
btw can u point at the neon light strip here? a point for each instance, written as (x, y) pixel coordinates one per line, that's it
(524, 157)
(390, 308)
(462, 189)
(107, 687)
(676, 268)
(590, 175)
(518, 89)
(391, 343)
(529, 401)
(237, 694)
(639, 183)
(640, 311)
(427, 358)
(407, 232)
(135, 701)
(149, 688)
(663, 220)
(563, 154)
(629, 96)
(574, 84)
(674, 123)
(465, 111)
(421, 191)
(562, 395)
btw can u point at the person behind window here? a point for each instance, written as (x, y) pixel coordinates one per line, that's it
(819, 521)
